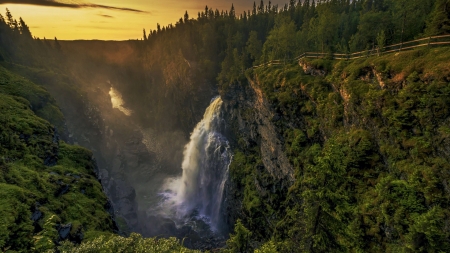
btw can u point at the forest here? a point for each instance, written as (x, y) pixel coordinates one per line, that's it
(367, 139)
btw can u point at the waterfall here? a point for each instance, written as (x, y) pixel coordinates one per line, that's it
(207, 156)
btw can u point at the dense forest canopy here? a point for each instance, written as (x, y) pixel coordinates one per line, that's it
(268, 32)
(225, 43)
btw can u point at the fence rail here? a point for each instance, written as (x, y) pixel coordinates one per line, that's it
(441, 40)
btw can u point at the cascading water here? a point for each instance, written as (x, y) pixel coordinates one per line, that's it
(199, 191)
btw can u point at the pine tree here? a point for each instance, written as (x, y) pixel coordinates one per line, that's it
(9, 18)
(158, 27)
(232, 12)
(24, 29)
(186, 17)
(291, 5)
(439, 22)
(381, 41)
(57, 45)
(261, 7)
(254, 46)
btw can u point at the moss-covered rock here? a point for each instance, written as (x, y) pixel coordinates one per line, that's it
(45, 184)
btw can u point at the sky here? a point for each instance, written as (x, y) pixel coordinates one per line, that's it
(109, 19)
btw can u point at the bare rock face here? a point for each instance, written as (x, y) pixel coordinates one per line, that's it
(273, 157)
(310, 69)
(251, 119)
(258, 127)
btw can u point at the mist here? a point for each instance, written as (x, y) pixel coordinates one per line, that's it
(137, 119)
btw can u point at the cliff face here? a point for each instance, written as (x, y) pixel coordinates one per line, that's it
(329, 155)
(254, 117)
(252, 128)
(48, 189)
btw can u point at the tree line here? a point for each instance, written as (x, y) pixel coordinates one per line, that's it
(233, 42)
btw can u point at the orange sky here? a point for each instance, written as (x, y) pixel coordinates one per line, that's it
(95, 19)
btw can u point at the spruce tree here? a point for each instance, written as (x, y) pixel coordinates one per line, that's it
(232, 12)
(9, 18)
(24, 29)
(439, 21)
(186, 17)
(57, 45)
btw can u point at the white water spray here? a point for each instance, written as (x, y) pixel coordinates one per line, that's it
(199, 191)
(117, 101)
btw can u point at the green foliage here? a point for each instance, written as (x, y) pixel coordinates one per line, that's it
(439, 20)
(239, 241)
(66, 193)
(39, 99)
(254, 46)
(381, 40)
(281, 40)
(367, 143)
(134, 243)
(268, 247)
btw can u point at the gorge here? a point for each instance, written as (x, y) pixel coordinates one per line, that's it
(212, 134)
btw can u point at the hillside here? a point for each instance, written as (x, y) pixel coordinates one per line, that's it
(49, 191)
(366, 147)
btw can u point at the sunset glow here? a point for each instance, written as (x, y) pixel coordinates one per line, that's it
(109, 20)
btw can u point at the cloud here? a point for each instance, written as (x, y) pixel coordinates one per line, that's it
(101, 27)
(66, 4)
(105, 16)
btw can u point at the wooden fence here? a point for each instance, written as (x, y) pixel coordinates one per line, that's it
(442, 40)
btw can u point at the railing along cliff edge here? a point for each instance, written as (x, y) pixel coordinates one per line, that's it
(441, 40)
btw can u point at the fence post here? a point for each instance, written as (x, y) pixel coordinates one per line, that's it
(429, 40)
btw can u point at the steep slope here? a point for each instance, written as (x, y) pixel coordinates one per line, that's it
(49, 191)
(367, 145)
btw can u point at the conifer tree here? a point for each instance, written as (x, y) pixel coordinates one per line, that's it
(57, 45)
(186, 17)
(9, 18)
(24, 29)
(261, 7)
(254, 46)
(232, 12)
(439, 21)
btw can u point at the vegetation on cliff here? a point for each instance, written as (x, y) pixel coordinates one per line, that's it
(368, 141)
(49, 195)
(49, 191)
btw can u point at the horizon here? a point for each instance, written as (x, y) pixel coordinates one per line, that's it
(110, 20)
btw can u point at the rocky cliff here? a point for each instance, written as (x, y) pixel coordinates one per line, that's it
(336, 155)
